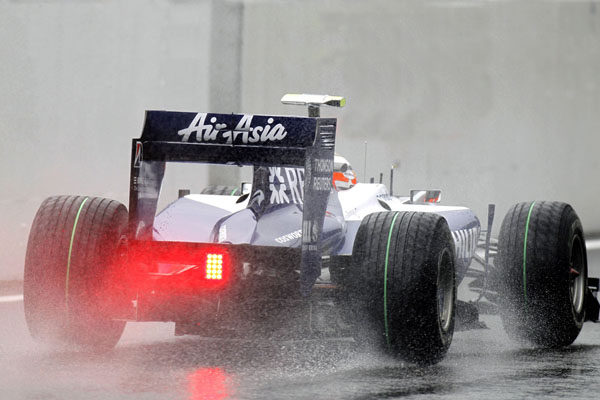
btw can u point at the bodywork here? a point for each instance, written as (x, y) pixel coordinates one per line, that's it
(283, 240)
(234, 220)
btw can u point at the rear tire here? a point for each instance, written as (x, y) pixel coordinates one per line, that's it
(542, 273)
(72, 246)
(403, 284)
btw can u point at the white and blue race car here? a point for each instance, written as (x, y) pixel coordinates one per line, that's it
(302, 239)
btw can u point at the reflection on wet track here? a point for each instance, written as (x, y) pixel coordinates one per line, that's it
(209, 383)
(149, 363)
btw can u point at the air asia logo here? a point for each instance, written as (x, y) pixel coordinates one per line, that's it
(288, 189)
(243, 133)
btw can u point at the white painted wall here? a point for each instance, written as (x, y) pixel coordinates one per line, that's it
(75, 80)
(490, 101)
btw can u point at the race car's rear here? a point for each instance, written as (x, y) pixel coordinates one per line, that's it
(201, 272)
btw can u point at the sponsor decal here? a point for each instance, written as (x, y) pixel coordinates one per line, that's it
(322, 165)
(310, 231)
(290, 236)
(321, 183)
(136, 182)
(277, 187)
(384, 196)
(137, 161)
(295, 177)
(309, 247)
(286, 185)
(465, 241)
(243, 133)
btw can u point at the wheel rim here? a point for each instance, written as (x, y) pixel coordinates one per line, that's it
(445, 290)
(577, 275)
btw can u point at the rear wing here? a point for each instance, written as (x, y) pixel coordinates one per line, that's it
(240, 139)
(235, 139)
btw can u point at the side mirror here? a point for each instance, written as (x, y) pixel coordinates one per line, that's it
(425, 196)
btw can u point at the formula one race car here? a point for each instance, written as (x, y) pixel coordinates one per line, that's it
(304, 240)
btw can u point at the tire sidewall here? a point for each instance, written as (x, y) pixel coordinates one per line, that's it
(441, 245)
(576, 232)
(446, 335)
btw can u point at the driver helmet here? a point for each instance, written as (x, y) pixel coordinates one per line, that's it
(344, 176)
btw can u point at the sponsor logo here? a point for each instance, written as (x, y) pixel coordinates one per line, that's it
(384, 196)
(137, 181)
(310, 231)
(277, 187)
(321, 183)
(288, 188)
(310, 247)
(243, 133)
(322, 165)
(137, 161)
(290, 236)
(465, 242)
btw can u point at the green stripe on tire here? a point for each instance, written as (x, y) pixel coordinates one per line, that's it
(70, 251)
(387, 254)
(525, 252)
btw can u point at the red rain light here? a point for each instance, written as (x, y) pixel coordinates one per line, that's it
(214, 266)
(176, 266)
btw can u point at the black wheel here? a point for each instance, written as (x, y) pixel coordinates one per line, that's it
(223, 190)
(72, 245)
(542, 273)
(402, 283)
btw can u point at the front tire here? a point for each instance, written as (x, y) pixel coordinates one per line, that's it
(542, 273)
(72, 246)
(403, 284)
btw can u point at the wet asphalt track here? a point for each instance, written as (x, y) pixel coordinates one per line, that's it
(149, 363)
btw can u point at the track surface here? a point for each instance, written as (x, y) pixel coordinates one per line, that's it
(149, 363)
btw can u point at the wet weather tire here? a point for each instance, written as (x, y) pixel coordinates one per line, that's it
(402, 284)
(72, 245)
(542, 273)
